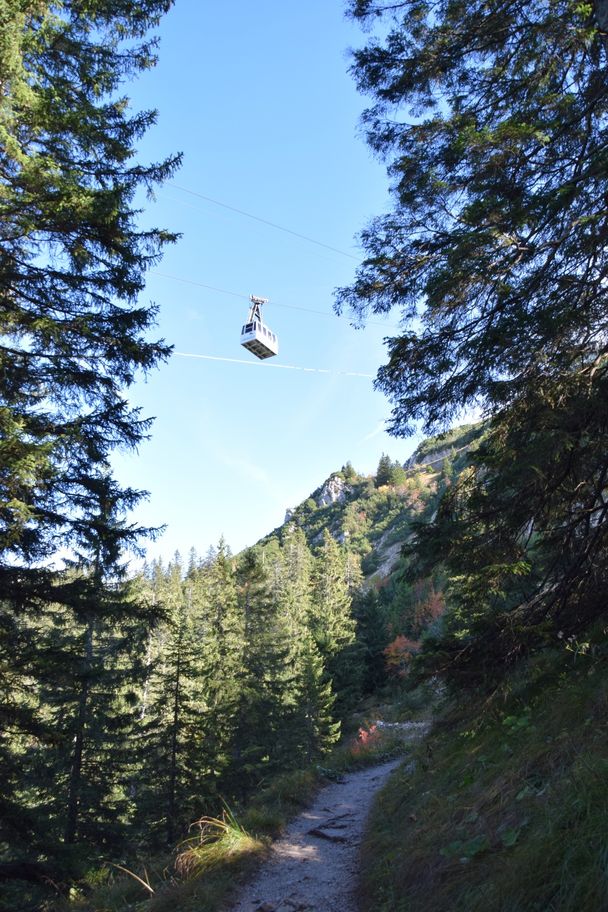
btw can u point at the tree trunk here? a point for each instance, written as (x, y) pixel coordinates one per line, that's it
(171, 809)
(71, 824)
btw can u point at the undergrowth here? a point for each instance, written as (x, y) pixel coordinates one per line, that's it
(219, 853)
(507, 809)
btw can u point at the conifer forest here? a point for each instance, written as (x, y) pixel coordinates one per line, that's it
(185, 686)
(146, 703)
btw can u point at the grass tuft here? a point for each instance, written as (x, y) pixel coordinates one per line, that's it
(217, 840)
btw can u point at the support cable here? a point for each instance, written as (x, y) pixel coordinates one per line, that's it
(295, 367)
(256, 218)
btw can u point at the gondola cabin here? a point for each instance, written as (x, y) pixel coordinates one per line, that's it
(256, 337)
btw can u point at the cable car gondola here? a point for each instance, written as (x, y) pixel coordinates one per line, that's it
(255, 336)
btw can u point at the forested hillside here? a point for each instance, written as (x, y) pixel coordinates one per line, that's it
(202, 679)
(133, 704)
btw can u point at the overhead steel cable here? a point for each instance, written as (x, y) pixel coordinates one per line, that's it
(263, 221)
(236, 294)
(295, 367)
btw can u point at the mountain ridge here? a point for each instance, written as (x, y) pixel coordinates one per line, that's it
(375, 520)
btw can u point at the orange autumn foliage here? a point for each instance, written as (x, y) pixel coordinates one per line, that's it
(367, 738)
(399, 654)
(429, 609)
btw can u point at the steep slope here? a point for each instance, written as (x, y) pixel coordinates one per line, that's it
(375, 519)
(254, 665)
(506, 809)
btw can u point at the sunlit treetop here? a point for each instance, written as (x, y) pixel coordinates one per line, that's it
(73, 256)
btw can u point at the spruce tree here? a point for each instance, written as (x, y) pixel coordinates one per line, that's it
(72, 258)
(294, 588)
(348, 472)
(492, 119)
(84, 665)
(175, 785)
(372, 639)
(222, 650)
(332, 623)
(494, 251)
(264, 680)
(312, 729)
(384, 471)
(309, 728)
(72, 338)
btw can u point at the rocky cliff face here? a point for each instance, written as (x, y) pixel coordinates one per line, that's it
(433, 451)
(377, 521)
(333, 491)
(436, 457)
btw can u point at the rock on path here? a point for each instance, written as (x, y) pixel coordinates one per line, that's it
(314, 866)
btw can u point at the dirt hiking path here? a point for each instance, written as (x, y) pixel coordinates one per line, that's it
(314, 866)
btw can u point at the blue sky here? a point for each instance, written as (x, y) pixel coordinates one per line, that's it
(259, 100)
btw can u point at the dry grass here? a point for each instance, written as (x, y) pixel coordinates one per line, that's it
(218, 853)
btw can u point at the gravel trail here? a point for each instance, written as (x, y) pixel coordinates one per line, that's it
(314, 866)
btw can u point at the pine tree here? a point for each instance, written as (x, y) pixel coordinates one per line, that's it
(25, 822)
(312, 728)
(330, 613)
(372, 638)
(398, 474)
(86, 650)
(384, 471)
(176, 764)
(294, 588)
(72, 258)
(348, 472)
(332, 623)
(222, 650)
(494, 250)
